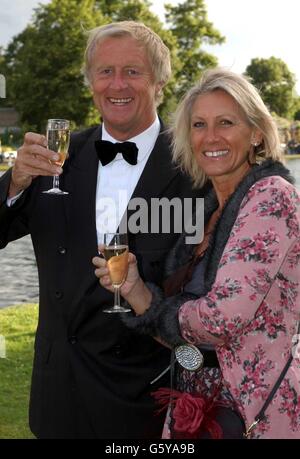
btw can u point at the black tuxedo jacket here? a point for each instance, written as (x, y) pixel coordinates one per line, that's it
(87, 361)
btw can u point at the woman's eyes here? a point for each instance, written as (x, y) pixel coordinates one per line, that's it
(198, 124)
(222, 122)
(226, 122)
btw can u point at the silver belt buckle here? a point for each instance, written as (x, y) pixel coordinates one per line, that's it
(189, 357)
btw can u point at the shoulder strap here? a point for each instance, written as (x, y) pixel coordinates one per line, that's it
(261, 414)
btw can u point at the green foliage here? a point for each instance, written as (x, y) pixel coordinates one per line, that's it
(17, 325)
(120, 10)
(42, 64)
(297, 108)
(2, 60)
(189, 24)
(12, 138)
(275, 82)
(297, 115)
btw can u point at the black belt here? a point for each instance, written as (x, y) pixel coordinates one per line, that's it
(210, 359)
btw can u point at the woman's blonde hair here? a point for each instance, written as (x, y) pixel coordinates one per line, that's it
(250, 102)
(158, 53)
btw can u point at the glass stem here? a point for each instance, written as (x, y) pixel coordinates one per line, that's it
(117, 296)
(56, 181)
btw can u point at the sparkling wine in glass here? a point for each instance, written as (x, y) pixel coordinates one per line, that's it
(58, 138)
(116, 255)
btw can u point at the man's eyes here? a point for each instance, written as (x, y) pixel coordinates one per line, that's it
(130, 72)
(104, 71)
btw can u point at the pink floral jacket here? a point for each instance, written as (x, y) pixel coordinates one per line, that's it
(252, 311)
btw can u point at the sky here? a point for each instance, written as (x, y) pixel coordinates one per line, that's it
(255, 28)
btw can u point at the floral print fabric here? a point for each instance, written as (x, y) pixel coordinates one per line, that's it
(252, 311)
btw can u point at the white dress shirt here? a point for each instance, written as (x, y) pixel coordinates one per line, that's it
(117, 180)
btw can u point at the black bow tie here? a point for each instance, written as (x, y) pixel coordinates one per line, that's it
(107, 151)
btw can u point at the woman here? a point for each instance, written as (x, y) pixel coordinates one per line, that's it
(236, 297)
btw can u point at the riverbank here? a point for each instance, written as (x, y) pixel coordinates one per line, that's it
(19, 277)
(17, 326)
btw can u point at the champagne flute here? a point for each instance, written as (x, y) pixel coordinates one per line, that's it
(58, 137)
(116, 255)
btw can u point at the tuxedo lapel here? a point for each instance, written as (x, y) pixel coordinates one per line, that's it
(81, 182)
(158, 171)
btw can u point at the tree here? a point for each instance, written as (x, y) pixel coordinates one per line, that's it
(296, 110)
(2, 79)
(43, 64)
(189, 24)
(297, 115)
(275, 82)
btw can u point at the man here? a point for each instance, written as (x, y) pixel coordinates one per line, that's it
(92, 377)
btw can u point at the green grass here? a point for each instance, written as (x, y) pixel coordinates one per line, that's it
(17, 325)
(4, 167)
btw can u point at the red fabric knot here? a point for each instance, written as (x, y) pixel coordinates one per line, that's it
(188, 413)
(191, 414)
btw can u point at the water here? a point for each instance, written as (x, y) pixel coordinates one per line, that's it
(18, 273)
(19, 280)
(294, 166)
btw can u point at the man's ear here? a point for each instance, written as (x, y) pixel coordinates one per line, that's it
(159, 87)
